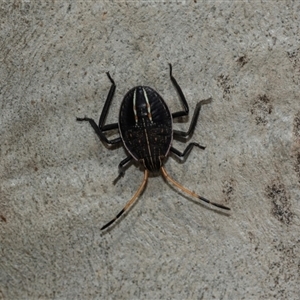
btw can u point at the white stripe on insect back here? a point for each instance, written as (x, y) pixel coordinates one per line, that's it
(134, 106)
(148, 105)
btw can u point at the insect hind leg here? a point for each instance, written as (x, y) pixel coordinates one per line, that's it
(130, 202)
(185, 190)
(186, 151)
(122, 168)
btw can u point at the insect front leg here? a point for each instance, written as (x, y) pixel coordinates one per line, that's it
(102, 128)
(184, 112)
(185, 134)
(99, 132)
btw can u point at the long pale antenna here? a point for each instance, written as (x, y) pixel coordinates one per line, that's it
(193, 194)
(130, 202)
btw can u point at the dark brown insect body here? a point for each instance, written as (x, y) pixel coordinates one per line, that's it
(145, 127)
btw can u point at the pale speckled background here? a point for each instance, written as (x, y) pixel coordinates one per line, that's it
(56, 176)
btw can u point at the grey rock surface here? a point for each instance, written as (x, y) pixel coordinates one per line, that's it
(56, 188)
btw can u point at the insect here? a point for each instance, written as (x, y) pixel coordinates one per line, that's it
(146, 131)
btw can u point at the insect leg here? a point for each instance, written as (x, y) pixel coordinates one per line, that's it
(102, 128)
(121, 168)
(182, 134)
(186, 151)
(107, 104)
(131, 201)
(184, 112)
(99, 132)
(193, 194)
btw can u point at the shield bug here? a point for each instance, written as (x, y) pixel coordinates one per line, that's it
(146, 131)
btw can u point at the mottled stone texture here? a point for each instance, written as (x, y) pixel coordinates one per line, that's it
(56, 186)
